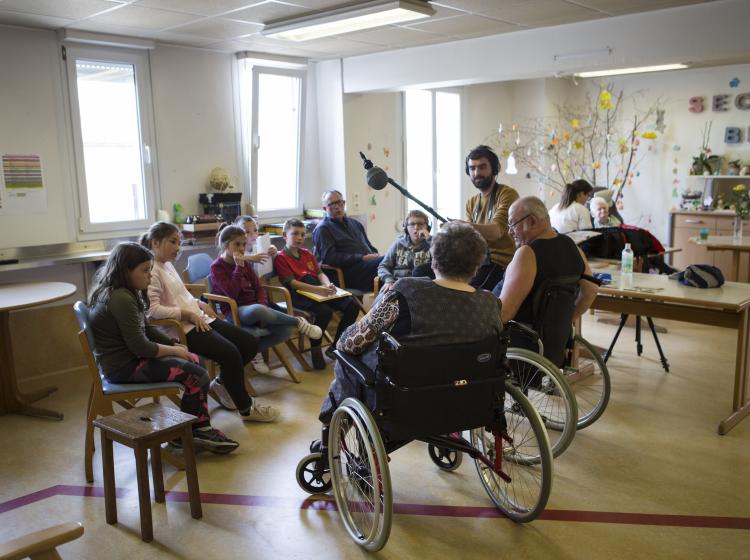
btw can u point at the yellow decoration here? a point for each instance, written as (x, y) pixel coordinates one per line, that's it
(596, 165)
(605, 100)
(649, 135)
(555, 141)
(579, 145)
(506, 152)
(616, 182)
(566, 136)
(575, 123)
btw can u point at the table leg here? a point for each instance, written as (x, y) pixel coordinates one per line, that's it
(191, 473)
(144, 492)
(11, 399)
(735, 265)
(740, 404)
(108, 469)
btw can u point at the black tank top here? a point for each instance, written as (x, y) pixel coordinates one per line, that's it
(557, 256)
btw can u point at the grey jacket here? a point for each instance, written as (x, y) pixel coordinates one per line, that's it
(402, 258)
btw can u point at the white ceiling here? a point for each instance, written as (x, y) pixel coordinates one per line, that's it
(235, 25)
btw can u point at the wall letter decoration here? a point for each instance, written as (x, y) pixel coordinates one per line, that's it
(696, 104)
(720, 102)
(732, 135)
(742, 101)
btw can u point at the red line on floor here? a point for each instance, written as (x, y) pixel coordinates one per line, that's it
(328, 504)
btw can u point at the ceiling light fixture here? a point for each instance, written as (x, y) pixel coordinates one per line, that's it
(356, 17)
(635, 70)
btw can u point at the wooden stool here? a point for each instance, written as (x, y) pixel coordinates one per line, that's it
(141, 429)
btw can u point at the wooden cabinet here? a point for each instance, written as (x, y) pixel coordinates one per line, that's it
(688, 224)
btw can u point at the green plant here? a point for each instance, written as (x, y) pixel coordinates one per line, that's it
(741, 201)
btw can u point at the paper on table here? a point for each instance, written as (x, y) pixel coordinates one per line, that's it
(317, 297)
(262, 245)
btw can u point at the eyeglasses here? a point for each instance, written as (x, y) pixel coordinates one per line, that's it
(337, 202)
(514, 224)
(416, 224)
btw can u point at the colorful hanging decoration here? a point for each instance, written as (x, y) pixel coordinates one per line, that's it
(605, 100)
(575, 124)
(734, 82)
(510, 166)
(649, 135)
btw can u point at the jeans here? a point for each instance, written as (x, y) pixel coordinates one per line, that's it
(279, 324)
(360, 275)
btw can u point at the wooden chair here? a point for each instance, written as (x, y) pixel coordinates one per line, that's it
(41, 545)
(103, 394)
(357, 294)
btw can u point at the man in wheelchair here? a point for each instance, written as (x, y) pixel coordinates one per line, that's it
(423, 312)
(548, 284)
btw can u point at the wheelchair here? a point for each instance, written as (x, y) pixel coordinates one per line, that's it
(419, 393)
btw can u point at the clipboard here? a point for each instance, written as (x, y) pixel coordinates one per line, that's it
(317, 297)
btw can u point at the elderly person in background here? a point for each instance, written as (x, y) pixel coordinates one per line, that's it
(342, 242)
(570, 214)
(420, 311)
(410, 253)
(600, 213)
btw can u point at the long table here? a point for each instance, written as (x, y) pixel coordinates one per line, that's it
(726, 243)
(728, 306)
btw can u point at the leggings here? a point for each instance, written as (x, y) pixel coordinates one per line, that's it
(279, 324)
(170, 368)
(231, 347)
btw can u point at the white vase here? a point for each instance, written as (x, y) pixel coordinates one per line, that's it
(737, 229)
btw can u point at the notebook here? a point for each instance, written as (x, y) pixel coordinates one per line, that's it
(317, 297)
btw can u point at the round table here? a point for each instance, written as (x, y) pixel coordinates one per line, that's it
(14, 297)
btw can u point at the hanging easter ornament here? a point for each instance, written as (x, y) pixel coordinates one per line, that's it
(553, 167)
(674, 192)
(528, 151)
(518, 137)
(569, 148)
(510, 165)
(605, 100)
(596, 165)
(575, 124)
(506, 152)
(649, 135)
(499, 130)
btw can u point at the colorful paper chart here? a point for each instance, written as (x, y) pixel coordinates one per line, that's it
(22, 171)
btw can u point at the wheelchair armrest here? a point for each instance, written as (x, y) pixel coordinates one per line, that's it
(520, 327)
(354, 364)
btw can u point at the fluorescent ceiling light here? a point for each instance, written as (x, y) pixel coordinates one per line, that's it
(364, 15)
(636, 70)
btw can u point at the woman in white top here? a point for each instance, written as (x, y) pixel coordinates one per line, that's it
(570, 214)
(207, 335)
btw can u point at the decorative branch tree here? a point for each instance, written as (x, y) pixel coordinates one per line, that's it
(592, 142)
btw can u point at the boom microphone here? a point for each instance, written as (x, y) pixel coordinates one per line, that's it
(377, 179)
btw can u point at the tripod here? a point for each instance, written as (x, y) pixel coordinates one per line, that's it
(639, 346)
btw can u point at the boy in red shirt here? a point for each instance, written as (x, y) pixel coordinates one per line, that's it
(299, 270)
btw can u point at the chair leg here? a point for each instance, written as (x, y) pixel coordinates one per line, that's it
(298, 355)
(249, 386)
(287, 366)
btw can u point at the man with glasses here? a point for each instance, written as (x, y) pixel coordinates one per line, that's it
(410, 253)
(542, 253)
(342, 242)
(487, 211)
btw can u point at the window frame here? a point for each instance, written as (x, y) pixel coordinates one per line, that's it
(434, 171)
(140, 60)
(251, 144)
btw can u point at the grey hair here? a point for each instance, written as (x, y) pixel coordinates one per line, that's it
(328, 192)
(598, 201)
(534, 206)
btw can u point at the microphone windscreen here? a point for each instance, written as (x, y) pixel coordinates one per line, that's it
(377, 178)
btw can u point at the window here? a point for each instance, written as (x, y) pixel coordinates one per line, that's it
(273, 136)
(432, 123)
(110, 102)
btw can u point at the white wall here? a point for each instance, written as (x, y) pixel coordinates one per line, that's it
(373, 124)
(31, 122)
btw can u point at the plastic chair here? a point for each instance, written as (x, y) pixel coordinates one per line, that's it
(103, 393)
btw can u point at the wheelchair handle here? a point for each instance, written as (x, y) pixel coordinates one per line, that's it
(388, 339)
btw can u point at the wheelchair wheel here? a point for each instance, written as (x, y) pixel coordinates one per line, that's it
(360, 476)
(527, 460)
(446, 459)
(313, 476)
(589, 381)
(549, 393)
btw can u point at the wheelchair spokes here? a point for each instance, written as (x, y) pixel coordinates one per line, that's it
(588, 377)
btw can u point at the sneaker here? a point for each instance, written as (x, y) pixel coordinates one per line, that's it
(259, 364)
(221, 395)
(261, 413)
(308, 329)
(318, 361)
(214, 441)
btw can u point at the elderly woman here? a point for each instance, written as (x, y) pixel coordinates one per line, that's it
(600, 213)
(420, 311)
(570, 214)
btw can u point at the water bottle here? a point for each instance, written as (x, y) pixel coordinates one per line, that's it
(626, 267)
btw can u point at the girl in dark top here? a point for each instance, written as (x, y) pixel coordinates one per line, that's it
(129, 351)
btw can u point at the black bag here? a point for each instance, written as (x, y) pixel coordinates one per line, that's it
(608, 245)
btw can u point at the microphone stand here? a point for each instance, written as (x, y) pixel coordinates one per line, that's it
(410, 196)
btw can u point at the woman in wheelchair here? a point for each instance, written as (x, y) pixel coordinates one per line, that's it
(424, 312)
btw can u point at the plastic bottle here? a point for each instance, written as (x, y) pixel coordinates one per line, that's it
(626, 267)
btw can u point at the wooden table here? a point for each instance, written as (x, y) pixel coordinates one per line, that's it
(14, 297)
(729, 306)
(726, 243)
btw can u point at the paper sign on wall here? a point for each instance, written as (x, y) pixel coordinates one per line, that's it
(22, 189)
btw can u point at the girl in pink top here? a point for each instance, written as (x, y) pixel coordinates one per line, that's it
(206, 334)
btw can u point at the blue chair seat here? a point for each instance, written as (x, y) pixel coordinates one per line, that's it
(116, 388)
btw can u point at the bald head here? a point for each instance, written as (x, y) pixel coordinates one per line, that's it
(528, 219)
(532, 205)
